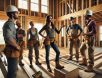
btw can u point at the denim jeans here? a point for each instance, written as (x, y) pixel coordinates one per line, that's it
(12, 67)
(47, 48)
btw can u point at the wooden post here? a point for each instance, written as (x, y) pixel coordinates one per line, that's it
(64, 35)
(89, 3)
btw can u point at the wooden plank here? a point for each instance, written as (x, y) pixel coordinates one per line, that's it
(37, 68)
(3, 69)
(70, 71)
(21, 73)
(1, 74)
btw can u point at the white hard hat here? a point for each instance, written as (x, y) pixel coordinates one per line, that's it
(89, 12)
(11, 8)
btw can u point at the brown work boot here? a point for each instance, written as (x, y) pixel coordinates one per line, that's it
(89, 68)
(21, 64)
(84, 62)
(37, 63)
(49, 68)
(58, 66)
(77, 59)
(31, 66)
(69, 58)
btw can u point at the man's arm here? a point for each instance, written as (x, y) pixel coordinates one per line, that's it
(10, 38)
(93, 29)
(28, 31)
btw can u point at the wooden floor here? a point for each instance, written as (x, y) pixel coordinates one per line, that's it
(27, 72)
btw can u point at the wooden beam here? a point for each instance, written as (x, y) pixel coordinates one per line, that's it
(97, 8)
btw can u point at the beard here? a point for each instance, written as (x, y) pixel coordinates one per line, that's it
(15, 17)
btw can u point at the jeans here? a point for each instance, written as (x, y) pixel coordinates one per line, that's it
(47, 48)
(12, 67)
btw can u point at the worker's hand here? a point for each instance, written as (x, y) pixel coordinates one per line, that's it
(18, 48)
(19, 35)
(47, 38)
(63, 26)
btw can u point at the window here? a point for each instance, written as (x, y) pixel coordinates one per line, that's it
(35, 5)
(1, 32)
(44, 6)
(22, 4)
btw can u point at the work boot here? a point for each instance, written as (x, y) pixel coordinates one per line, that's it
(31, 66)
(84, 62)
(58, 66)
(89, 68)
(37, 63)
(49, 68)
(69, 58)
(77, 59)
(21, 64)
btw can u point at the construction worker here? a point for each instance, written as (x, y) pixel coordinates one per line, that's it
(33, 42)
(11, 47)
(20, 40)
(50, 30)
(89, 32)
(73, 38)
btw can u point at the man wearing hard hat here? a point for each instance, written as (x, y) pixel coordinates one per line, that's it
(73, 40)
(11, 47)
(89, 32)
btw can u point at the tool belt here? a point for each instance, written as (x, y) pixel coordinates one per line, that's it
(21, 43)
(47, 42)
(11, 51)
(88, 38)
(32, 42)
(72, 37)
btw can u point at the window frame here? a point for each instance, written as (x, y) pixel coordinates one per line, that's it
(44, 5)
(22, 6)
(35, 4)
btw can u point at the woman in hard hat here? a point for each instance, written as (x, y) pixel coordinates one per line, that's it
(89, 32)
(50, 41)
(12, 48)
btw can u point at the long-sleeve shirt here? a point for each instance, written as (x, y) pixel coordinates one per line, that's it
(91, 27)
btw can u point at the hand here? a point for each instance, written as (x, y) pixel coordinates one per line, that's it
(47, 38)
(19, 35)
(84, 34)
(18, 48)
(63, 26)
